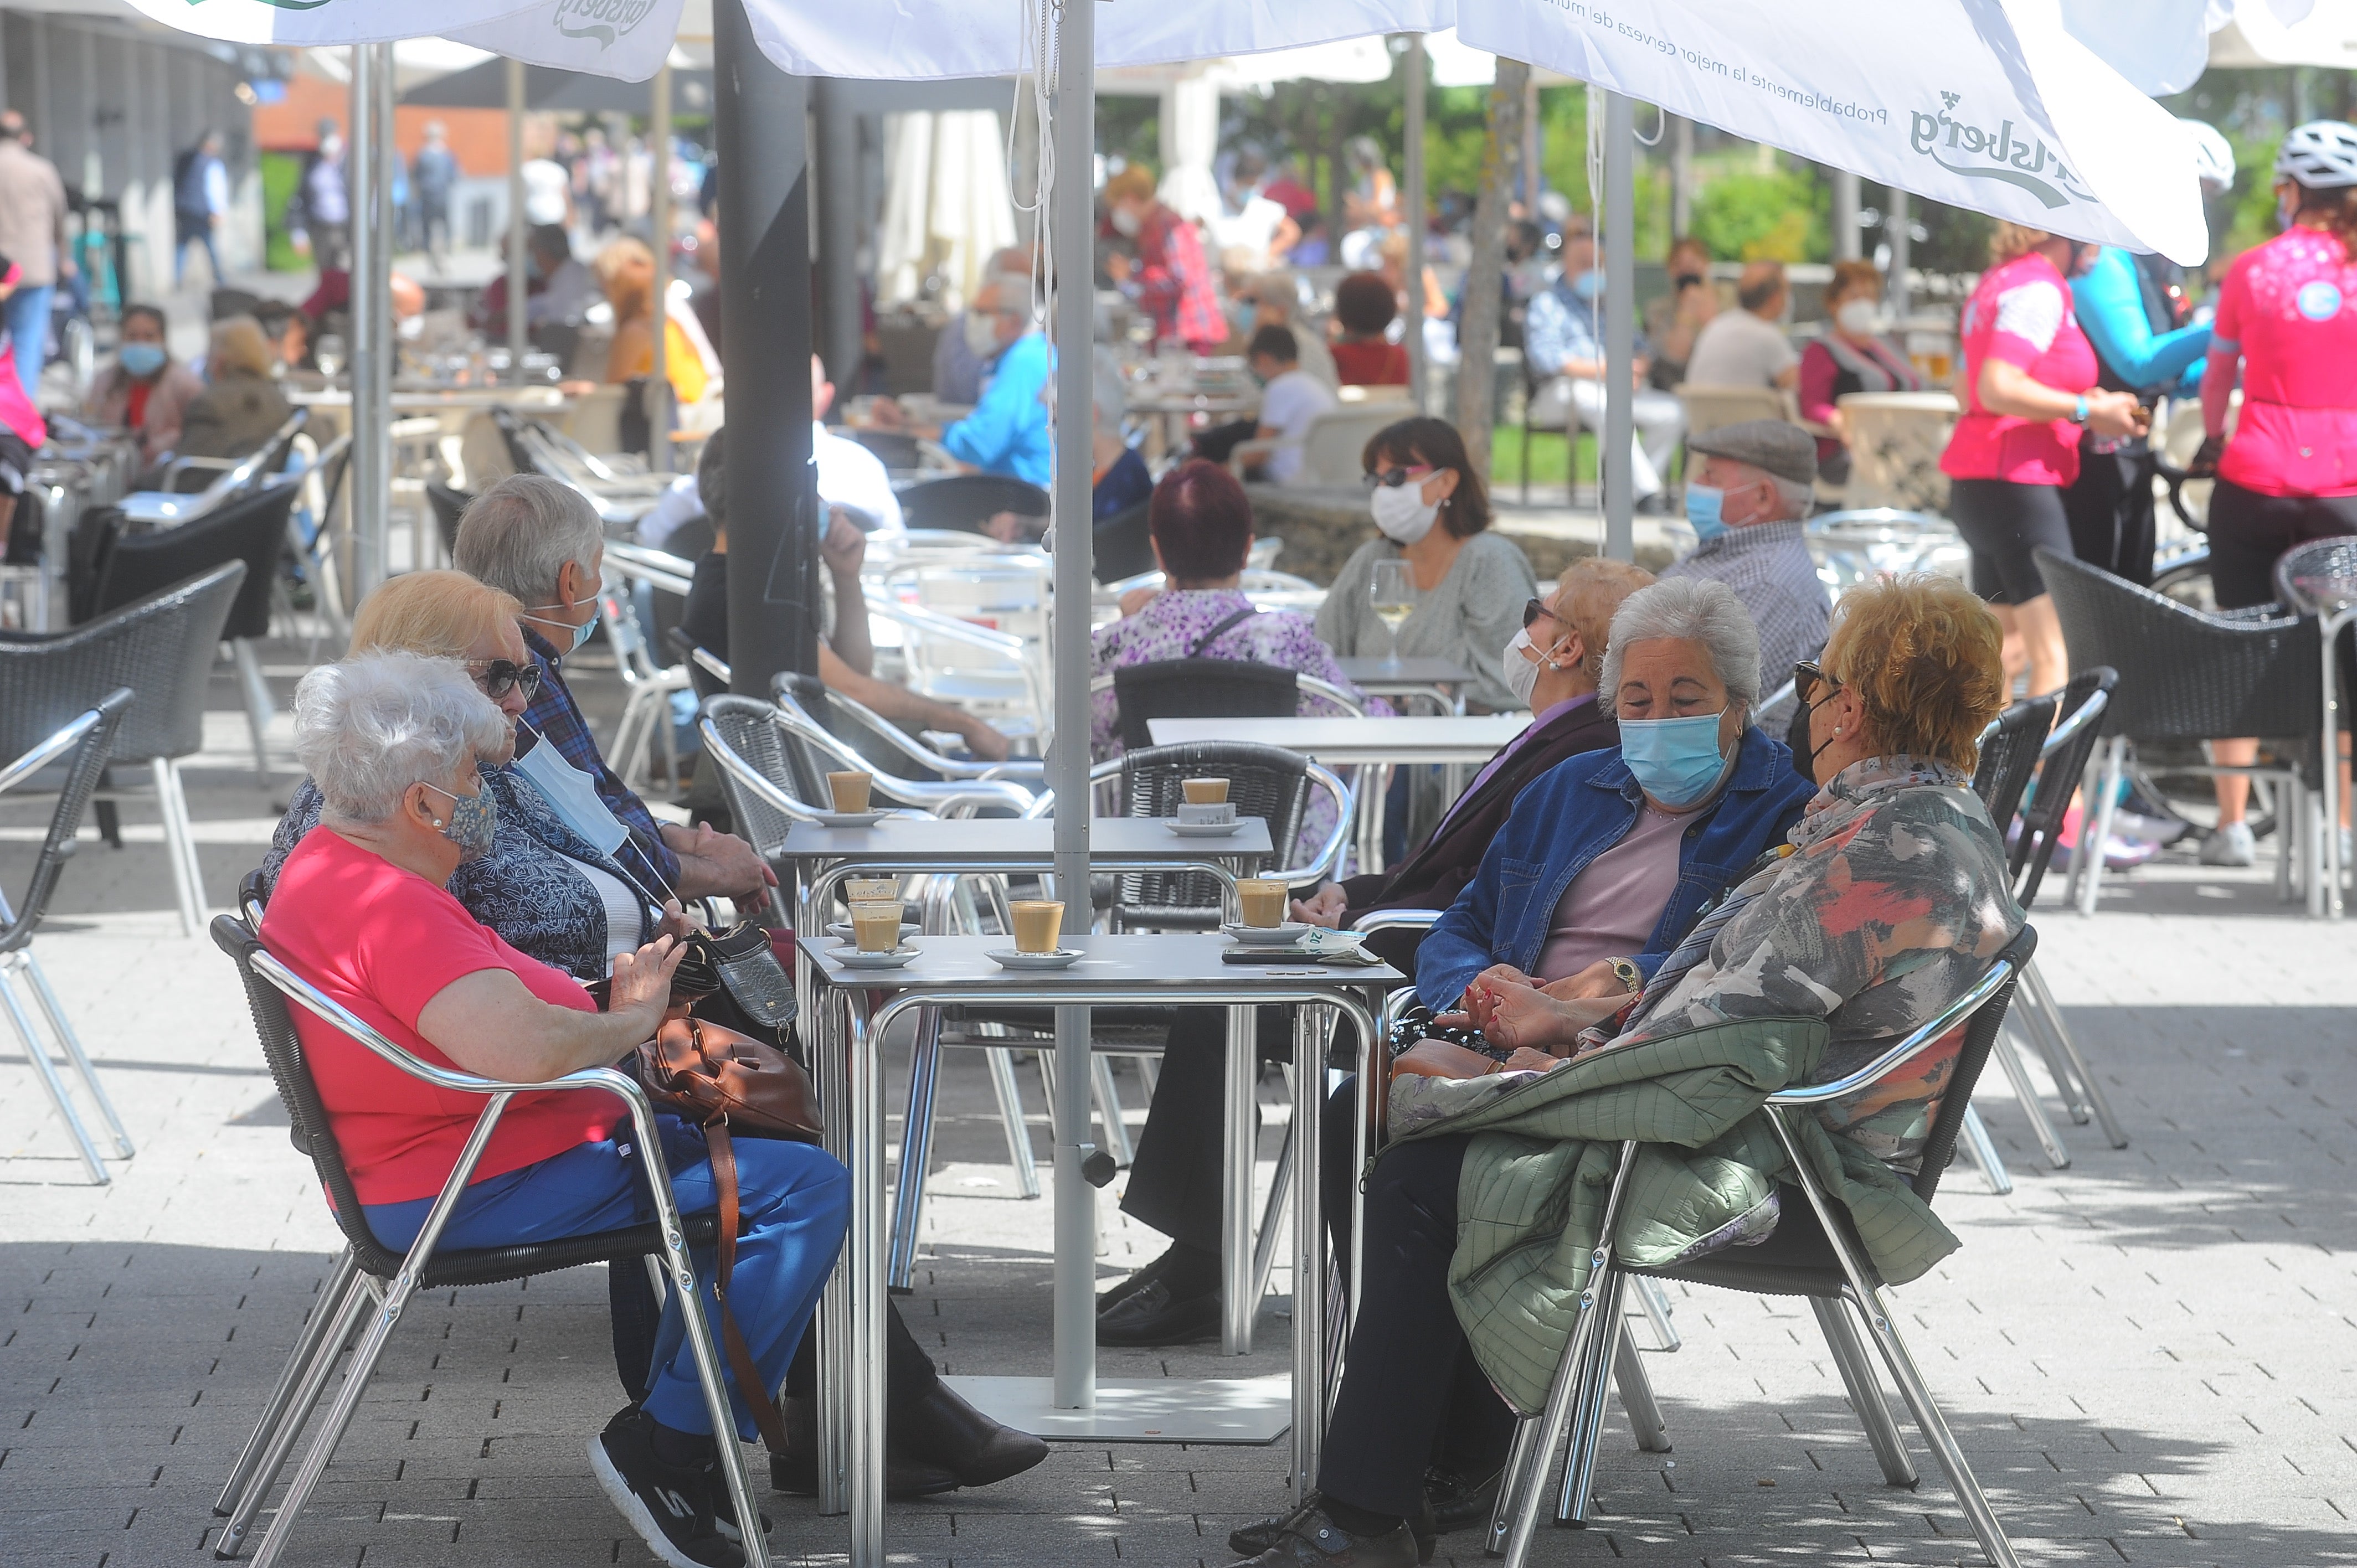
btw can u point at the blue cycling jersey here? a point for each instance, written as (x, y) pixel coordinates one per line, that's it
(2111, 310)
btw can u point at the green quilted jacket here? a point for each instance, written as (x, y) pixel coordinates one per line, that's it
(1540, 1166)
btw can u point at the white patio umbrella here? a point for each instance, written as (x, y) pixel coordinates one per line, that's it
(2285, 32)
(946, 205)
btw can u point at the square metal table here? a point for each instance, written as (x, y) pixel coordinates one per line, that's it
(1441, 681)
(856, 1008)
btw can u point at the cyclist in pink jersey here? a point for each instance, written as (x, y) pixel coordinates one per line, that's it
(2028, 388)
(2288, 316)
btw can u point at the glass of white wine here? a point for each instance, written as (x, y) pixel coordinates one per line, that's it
(330, 355)
(1391, 594)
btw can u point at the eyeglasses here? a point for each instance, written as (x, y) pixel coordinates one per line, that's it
(1534, 609)
(1393, 479)
(1807, 676)
(498, 676)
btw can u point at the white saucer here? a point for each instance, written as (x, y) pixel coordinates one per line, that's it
(842, 929)
(851, 819)
(1281, 936)
(852, 958)
(1202, 830)
(1008, 958)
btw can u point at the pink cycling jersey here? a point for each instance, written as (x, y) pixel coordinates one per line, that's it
(2290, 308)
(2020, 314)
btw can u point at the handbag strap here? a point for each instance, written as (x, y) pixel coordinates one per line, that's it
(759, 1398)
(1195, 648)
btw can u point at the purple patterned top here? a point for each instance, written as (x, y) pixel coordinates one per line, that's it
(1168, 627)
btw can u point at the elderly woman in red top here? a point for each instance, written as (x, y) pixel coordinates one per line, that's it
(362, 910)
(1173, 280)
(2028, 389)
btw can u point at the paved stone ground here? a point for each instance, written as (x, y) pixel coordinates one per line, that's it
(2150, 1358)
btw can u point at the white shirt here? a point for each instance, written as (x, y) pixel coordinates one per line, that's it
(1289, 405)
(849, 474)
(1735, 349)
(1250, 230)
(546, 187)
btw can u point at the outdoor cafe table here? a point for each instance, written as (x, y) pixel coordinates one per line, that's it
(1441, 681)
(1361, 742)
(857, 1007)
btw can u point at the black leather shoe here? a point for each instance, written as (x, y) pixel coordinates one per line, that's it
(1250, 1540)
(795, 1472)
(1458, 1501)
(1308, 1539)
(945, 1431)
(1132, 1285)
(1149, 1316)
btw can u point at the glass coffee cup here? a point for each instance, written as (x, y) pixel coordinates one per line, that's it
(1037, 922)
(850, 789)
(1204, 791)
(1261, 899)
(875, 927)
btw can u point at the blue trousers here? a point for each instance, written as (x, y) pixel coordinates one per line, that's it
(795, 1200)
(26, 314)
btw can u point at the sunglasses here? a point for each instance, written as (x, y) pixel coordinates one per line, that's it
(1393, 479)
(1807, 676)
(1534, 609)
(498, 676)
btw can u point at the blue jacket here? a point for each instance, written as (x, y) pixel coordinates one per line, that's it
(2111, 305)
(1572, 814)
(1007, 430)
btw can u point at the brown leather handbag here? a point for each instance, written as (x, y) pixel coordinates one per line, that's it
(717, 1078)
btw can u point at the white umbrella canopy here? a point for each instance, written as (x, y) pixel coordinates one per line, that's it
(947, 208)
(1986, 104)
(2285, 32)
(625, 38)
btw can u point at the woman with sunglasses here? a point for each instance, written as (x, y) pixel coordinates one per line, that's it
(546, 890)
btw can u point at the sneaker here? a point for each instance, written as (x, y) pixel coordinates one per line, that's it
(2230, 845)
(669, 1505)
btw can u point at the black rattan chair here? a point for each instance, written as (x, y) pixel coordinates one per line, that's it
(1199, 689)
(1119, 547)
(163, 649)
(252, 529)
(2195, 677)
(1815, 1253)
(79, 750)
(372, 1281)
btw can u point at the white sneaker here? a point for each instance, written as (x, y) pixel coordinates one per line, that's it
(2230, 845)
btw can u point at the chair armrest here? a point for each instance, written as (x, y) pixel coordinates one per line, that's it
(745, 774)
(2083, 716)
(1329, 853)
(2001, 974)
(1398, 919)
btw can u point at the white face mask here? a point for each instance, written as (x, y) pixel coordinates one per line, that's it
(1402, 512)
(1127, 222)
(1521, 673)
(981, 334)
(1858, 317)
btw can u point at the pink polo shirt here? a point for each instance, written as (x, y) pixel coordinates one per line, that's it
(2020, 314)
(2290, 307)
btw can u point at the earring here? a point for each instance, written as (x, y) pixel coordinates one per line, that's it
(437, 821)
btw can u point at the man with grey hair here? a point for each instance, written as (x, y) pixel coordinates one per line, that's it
(540, 541)
(1748, 489)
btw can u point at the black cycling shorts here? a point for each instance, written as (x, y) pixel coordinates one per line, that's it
(2249, 532)
(2004, 521)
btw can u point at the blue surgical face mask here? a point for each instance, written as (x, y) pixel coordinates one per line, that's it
(1704, 505)
(573, 796)
(1676, 761)
(1589, 284)
(564, 630)
(141, 359)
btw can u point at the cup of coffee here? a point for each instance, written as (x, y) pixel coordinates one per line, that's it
(1218, 814)
(1204, 791)
(850, 789)
(1262, 899)
(871, 891)
(1037, 922)
(875, 927)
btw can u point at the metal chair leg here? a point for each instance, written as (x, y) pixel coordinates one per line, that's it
(1865, 1391)
(2025, 1092)
(257, 703)
(1983, 1149)
(1265, 1248)
(2088, 855)
(37, 1053)
(56, 1014)
(1108, 1096)
(1644, 1412)
(326, 1310)
(1520, 1475)
(1010, 1117)
(180, 846)
(916, 1152)
(2040, 1030)
(1656, 1303)
(358, 1296)
(1576, 1503)
(2048, 1015)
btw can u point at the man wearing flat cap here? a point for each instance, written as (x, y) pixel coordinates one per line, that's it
(1749, 486)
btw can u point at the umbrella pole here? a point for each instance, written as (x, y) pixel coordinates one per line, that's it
(519, 280)
(1412, 212)
(1620, 324)
(659, 378)
(1899, 226)
(369, 275)
(1073, 239)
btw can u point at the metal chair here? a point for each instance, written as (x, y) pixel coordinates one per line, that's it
(647, 683)
(881, 741)
(163, 649)
(2315, 578)
(814, 751)
(252, 528)
(375, 1283)
(1812, 1252)
(2197, 677)
(81, 749)
(235, 476)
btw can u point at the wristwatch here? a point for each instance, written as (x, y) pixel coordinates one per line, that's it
(1631, 975)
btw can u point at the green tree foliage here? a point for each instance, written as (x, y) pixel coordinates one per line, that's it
(1779, 216)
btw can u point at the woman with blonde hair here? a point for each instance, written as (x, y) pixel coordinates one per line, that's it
(626, 271)
(1891, 906)
(2028, 388)
(241, 406)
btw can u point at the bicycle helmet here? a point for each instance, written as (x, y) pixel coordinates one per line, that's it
(2321, 155)
(2214, 156)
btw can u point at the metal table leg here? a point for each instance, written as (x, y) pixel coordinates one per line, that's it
(1238, 1141)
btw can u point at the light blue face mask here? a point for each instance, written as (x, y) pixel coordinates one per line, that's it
(1676, 761)
(1704, 505)
(141, 359)
(1589, 284)
(572, 795)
